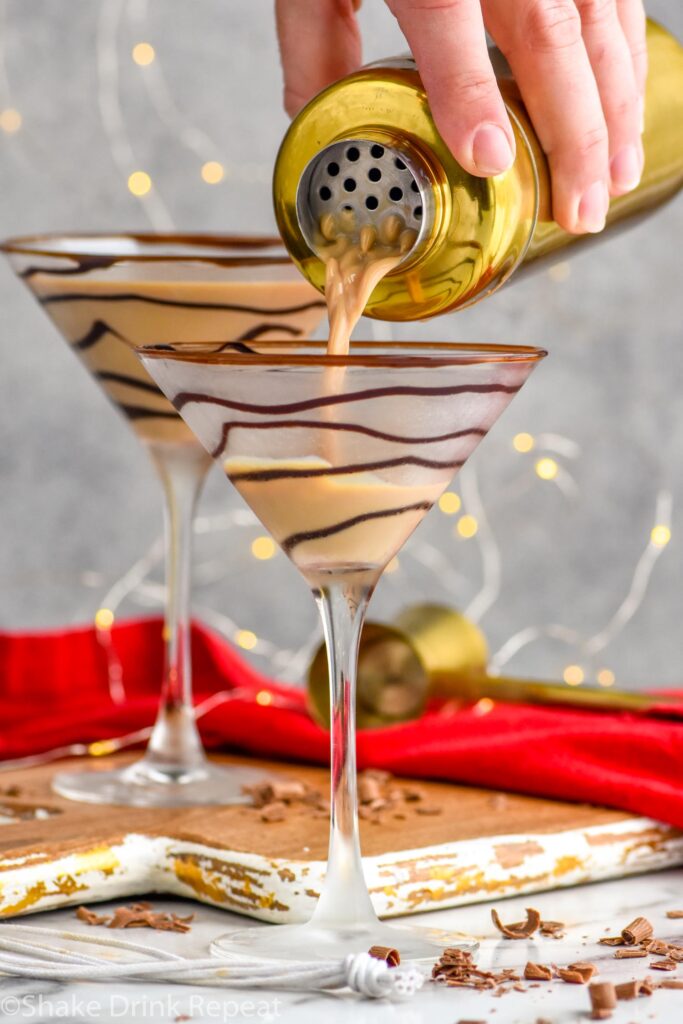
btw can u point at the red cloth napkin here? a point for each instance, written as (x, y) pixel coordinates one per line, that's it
(54, 690)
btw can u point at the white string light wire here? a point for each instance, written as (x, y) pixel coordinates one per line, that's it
(360, 972)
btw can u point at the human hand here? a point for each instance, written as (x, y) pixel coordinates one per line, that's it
(581, 67)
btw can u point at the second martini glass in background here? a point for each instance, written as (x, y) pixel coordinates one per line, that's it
(106, 294)
(340, 457)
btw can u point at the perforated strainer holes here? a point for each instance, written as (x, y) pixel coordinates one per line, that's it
(359, 186)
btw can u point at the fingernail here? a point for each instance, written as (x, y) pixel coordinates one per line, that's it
(625, 169)
(491, 150)
(593, 207)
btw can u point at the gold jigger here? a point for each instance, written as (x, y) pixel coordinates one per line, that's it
(434, 651)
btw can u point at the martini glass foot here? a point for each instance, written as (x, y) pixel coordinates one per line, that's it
(307, 942)
(150, 785)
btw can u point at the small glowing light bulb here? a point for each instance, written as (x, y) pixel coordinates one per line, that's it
(139, 183)
(263, 548)
(143, 54)
(660, 535)
(546, 468)
(212, 172)
(104, 618)
(246, 639)
(467, 526)
(523, 442)
(449, 503)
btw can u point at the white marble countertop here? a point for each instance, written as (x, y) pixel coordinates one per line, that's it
(589, 912)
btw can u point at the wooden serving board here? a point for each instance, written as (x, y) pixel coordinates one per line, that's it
(483, 845)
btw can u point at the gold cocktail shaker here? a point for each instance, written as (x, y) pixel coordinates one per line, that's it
(368, 144)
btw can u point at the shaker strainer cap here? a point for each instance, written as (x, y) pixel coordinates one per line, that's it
(364, 184)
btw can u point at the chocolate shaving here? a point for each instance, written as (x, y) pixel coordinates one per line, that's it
(674, 914)
(639, 929)
(137, 915)
(664, 965)
(671, 983)
(276, 811)
(574, 977)
(629, 954)
(391, 956)
(90, 917)
(369, 789)
(520, 929)
(378, 794)
(537, 972)
(628, 989)
(611, 940)
(585, 969)
(657, 947)
(603, 999)
(553, 929)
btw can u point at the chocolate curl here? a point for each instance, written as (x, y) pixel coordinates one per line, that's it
(520, 929)
(629, 954)
(674, 914)
(603, 999)
(639, 929)
(391, 956)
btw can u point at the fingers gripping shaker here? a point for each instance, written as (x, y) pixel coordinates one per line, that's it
(366, 149)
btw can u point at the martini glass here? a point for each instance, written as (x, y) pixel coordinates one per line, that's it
(106, 294)
(341, 458)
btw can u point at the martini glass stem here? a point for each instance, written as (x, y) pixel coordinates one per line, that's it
(344, 901)
(175, 748)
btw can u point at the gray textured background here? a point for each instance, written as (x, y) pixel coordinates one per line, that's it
(78, 502)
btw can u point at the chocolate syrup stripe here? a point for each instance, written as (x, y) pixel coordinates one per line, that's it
(289, 543)
(353, 428)
(142, 412)
(184, 398)
(108, 376)
(262, 476)
(230, 307)
(100, 329)
(83, 266)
